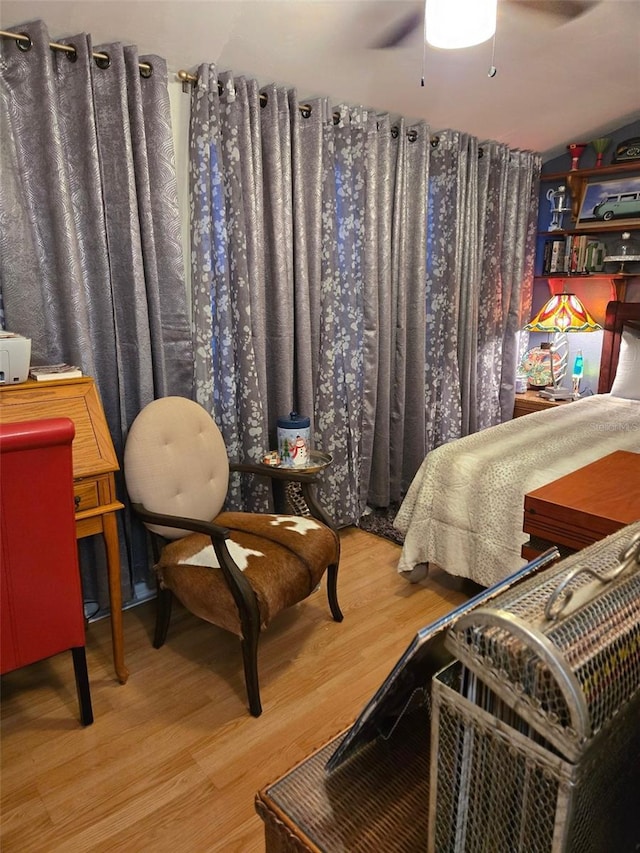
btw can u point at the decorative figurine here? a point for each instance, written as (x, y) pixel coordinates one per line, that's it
(272, 458)
(600, 146)
(576, 150)
(557, 199)
(626, 151)
(624, 250)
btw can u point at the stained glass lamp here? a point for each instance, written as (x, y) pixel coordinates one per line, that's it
(564, 312)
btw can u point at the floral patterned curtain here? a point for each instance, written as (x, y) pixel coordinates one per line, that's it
(345, 267)
(91, 263)
(481, 247)
(331, 378)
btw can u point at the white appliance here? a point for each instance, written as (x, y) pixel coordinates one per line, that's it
(15, 357)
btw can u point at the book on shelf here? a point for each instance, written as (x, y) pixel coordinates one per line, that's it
(553, 256)
(578, 246)
(48, 372)
(577, 255)
(566, 262)
(596, 251)
(557, 256)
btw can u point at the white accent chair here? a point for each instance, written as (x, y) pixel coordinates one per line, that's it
(237, 570)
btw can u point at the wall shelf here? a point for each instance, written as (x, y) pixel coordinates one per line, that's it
(616, 169)
(586, 276)
(599, 229)
(575, 179)
(617, 281)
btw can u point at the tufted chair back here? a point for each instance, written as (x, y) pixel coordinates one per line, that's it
(176, 462)
(237, 570)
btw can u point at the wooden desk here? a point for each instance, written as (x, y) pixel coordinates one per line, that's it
(94, 464)
(584, 506)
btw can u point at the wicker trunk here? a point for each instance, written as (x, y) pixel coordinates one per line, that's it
(530, 741)
(536, 726)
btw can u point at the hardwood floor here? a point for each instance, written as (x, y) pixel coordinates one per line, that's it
(173, 760)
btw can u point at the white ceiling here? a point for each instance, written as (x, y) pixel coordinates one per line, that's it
(555, 84)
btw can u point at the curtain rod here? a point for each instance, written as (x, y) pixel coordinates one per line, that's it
(24, 43)
(187, 78)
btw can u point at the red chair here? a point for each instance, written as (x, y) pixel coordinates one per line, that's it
(41, 601)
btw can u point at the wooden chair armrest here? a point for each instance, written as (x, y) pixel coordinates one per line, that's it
(241, 589)
(209, 528)
(306, 480)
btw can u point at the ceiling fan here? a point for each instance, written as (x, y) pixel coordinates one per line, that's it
(562, 11)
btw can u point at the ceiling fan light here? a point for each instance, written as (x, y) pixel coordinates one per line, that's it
(451, 24)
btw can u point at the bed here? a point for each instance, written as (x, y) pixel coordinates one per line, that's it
(464, 509)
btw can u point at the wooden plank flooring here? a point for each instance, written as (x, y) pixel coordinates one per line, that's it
(173, 760)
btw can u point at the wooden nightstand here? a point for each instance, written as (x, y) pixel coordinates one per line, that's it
(530, 401)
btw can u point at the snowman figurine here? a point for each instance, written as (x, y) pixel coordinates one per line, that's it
(299, 452)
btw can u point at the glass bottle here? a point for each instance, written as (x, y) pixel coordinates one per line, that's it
(578, 370)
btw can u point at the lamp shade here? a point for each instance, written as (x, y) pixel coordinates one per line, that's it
(451, 24)
(563, 313)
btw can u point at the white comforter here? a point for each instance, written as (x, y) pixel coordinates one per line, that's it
(464, 509)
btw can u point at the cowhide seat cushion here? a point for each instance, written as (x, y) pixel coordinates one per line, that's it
(282, 556)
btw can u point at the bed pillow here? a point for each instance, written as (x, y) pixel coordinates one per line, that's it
(627, 381)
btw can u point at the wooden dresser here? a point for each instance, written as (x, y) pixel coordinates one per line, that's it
(94, 464)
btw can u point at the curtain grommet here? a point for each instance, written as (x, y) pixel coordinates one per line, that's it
(103, 61)
(72, 55)
(412, 135)
(24, 44)
(146, 70)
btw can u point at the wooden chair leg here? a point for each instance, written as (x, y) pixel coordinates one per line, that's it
(82, 684)
(164, 600)
(332, 592)
(249, 644)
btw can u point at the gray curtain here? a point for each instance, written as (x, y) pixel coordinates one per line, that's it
(91, 264)
(350, 268)
(395, 327)
(237, 312)
(278, 235)
(481, 246)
